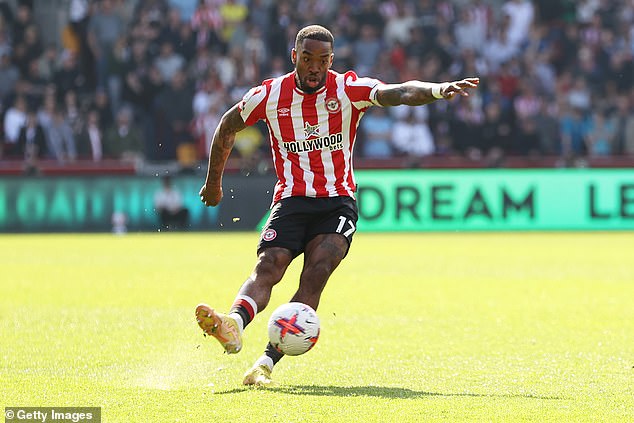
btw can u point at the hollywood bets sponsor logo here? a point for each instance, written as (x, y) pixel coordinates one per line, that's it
(332, 142)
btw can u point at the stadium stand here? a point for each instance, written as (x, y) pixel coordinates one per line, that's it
(557, 80)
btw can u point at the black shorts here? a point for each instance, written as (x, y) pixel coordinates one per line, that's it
(294, 221)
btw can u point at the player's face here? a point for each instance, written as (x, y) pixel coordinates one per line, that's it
(312, 59)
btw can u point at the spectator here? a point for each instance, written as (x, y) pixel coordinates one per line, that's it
(260, 16)
(69, 76)
(186, 8)
(411, 136)
(499, 50)
(233, 14)
(90, 140)
(32, 85)
(497, 134)
(72, 113)
(548, 130)
(209, 92)
(14, 120)
(579, 95)
(60, 138)
(123, 139)
(376, 128)
(141, 86)
(574, 134)
(601, 134)
(248, 142)
(399, 25)
(101, 105)
(521, 14)
(168, 202)
(526, 104)
(23, 19)
(186, 42)
(31, 142)
(467, 129)
(577, 53)
(168, 62)
(103, 30)
(117, 62)
(174, 112)
(527, 142)
(47, 62)
(45, 114)
(204, 126)
(468, 32)
(256, 52)
(207, 22)
(367, 50)
(171, 29)
(9, 75)
(624, 140)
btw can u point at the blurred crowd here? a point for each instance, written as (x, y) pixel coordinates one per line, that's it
(148, 80)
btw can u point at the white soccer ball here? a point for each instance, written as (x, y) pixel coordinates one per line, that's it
(294, 328)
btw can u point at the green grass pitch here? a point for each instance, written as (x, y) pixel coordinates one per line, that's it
(503, 327)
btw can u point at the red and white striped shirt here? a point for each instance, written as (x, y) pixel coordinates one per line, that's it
(312, 135)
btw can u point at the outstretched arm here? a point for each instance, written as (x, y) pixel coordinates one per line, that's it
(417, 93)
(221, 145)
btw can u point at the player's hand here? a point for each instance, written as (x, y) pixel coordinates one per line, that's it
(451, 89)
(210, 196)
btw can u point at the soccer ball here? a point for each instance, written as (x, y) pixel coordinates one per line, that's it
(293, 328)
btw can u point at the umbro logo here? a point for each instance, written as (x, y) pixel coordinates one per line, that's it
(284, 111)
(311, 130)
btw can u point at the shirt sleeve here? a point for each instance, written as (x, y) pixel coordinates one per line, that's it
(361, 90)
(252, 106)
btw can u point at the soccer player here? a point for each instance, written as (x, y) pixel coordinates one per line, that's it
(312, 115)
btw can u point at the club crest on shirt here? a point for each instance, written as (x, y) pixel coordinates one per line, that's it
(269, 235)
(333, 105)
(311, 130)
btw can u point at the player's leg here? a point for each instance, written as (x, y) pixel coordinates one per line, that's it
(253, 296)
(280, 242)
(255, 293)
(330, 240)
(321, 257)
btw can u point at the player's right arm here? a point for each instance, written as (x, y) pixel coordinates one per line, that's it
(221, 146)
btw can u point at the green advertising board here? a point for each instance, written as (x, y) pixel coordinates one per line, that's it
(389, 200)
(77, 204)
(448, 200)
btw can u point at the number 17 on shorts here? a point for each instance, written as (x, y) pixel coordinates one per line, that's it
(346, 227)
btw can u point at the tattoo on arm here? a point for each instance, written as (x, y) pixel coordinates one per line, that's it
(411, 93)
(222, 143)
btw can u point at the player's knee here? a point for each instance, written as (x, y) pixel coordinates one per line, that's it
(317, 273)
(271, 265)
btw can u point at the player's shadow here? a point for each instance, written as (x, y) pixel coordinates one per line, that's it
(377, 391)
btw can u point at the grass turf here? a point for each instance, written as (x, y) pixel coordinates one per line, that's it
(415, 327)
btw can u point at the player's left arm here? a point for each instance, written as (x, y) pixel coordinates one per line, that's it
(417, 93)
